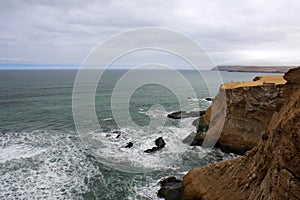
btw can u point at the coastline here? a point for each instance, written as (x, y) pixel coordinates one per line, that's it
(273, 159)
(253, 69)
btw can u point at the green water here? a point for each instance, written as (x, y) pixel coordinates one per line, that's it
(42, 156)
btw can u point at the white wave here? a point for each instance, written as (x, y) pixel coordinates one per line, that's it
(112, 150)
(43, 165)
(107, 119)
(19, 151)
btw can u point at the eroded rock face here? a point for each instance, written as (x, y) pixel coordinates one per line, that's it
(269, 171)
(249, 108)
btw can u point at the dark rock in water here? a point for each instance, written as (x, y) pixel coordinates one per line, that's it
(116, 132)
(153, 149)
(189, 139)
(202, 112)
(183, 114)
(159, 142)
(175, 115)
(129, 145)
(196, 139)
(209, 99)
(195, 122)
(202, 127)
(171, 189)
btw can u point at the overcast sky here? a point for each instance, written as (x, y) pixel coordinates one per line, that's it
(231, 31)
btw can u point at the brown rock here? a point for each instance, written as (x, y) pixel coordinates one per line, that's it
(269, 171)
(249, 108)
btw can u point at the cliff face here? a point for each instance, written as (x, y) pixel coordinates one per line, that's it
(249, 107)
(269, 171)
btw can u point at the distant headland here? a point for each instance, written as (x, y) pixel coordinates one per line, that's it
(260, 69)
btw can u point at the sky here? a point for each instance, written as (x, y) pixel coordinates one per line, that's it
(64, 32)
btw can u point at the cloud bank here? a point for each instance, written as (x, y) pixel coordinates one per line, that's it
(232, 32)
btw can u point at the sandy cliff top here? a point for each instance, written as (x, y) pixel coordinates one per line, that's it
(260, 80)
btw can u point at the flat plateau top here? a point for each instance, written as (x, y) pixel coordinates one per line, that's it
(259, 80)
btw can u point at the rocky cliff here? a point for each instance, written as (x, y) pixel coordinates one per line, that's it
(249, 107)
(269, 171)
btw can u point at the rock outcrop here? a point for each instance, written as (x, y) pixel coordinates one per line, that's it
(171, 189)
(269, 171)
(249, 108)
(159, 142)
(184, 114)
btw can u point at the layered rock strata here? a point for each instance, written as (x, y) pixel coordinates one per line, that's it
(269, 171)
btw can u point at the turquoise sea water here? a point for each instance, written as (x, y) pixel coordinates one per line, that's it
(42, 156)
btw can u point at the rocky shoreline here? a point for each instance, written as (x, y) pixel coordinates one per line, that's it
(262, 123)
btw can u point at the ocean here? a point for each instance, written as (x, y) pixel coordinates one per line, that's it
(42, 156)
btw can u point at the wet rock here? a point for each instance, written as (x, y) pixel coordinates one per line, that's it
(202, 112)
(118, 133)
(159, 142)
(196, 138)
(189, 139)
(171, 189)
(175, 115)
(202, 127)
(184, 114)
(209, 99)
(129, 145)
(153, 149)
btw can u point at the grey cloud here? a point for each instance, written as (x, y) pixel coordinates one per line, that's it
(231, 31)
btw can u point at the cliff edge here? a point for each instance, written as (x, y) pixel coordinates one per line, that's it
(249, 108)
(269, 171)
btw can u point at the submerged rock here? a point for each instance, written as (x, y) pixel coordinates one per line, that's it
(159, 142)
(171, 189)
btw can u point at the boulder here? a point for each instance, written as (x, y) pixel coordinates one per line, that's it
(159, 142)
